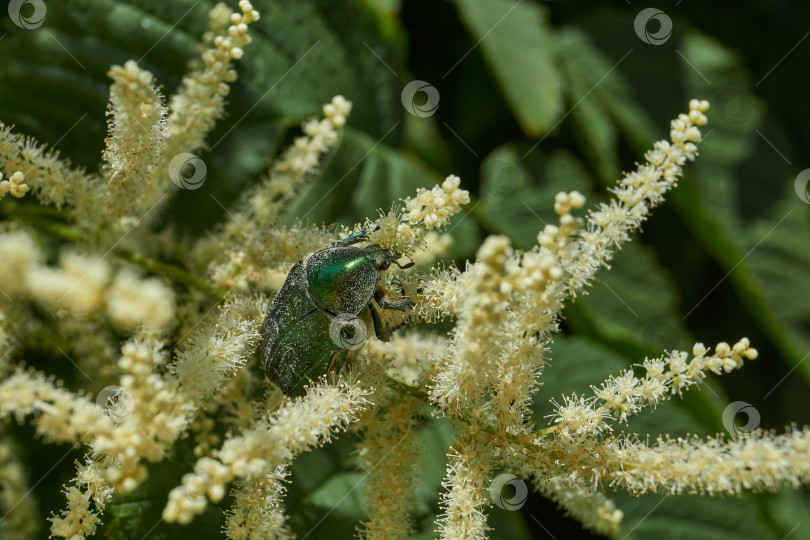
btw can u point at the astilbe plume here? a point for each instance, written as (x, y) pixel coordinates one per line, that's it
(483, 376)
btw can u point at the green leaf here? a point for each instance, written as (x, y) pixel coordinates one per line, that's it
(334, 508)
(780, 263)
(709, 200)
(675, 518)
(598, 80)
(360, 176)
(507, 524)
(593, 126)
(789, 508)
(325, 493)
(728, 220)
(515, 39)
(759, 234)
(433, 440)
(230, 171)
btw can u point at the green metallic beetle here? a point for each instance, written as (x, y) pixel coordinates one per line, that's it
(323, 310)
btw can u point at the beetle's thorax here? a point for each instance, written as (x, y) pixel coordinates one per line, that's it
(343, 278)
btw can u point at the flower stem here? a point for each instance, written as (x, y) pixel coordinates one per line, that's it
(174, 272)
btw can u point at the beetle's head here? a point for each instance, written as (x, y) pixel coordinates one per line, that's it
(384, 258)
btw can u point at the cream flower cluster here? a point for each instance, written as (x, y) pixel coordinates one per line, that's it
(467, 495)
(143, 139)
(534, 278)
(84, 285)
(20, 514)
(200, 100)
(388, 451)
(140, 419)
(295, 427)
(408, 358)
(57, 414)
(215, 352)
(435, 246)
(137, 123)
(434, 208)
(557, 238)
(758, 460)
(430, 209)
(638, 192)
(50, 178)
(298, 163)
(622, 396)
(137, 126)
(528, 288)
(146, 411)
(468, 369)
(78, 520)
(258, 509)
(15, 185)
(150, 411)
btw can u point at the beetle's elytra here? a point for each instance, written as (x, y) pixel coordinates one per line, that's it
(322, 311)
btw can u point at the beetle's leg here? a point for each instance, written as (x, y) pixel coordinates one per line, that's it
(337, 361)
(381, 296)
(382, 333)
(400, 286)
(354, 238)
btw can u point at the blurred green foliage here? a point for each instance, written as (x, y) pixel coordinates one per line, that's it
(534, 98)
